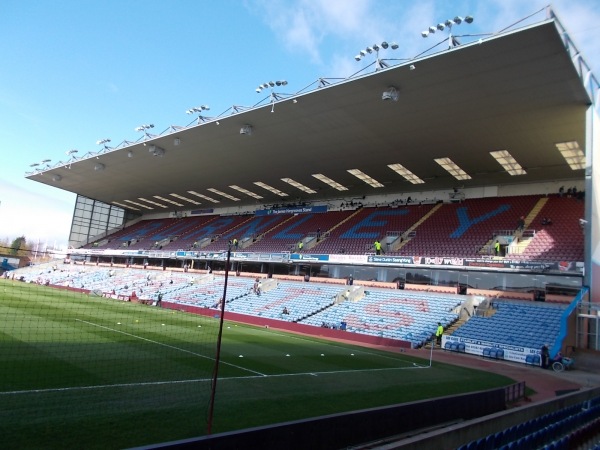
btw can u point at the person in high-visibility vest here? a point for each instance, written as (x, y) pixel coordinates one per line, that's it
(438, 333)
(377, 245)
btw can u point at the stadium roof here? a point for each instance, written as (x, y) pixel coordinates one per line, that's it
(518, 91)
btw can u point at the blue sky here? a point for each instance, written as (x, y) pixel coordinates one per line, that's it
(73, 72)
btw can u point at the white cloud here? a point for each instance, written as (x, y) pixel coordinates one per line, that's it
(35, 213)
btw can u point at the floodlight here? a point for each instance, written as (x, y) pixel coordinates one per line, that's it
(144, 127)
(448, 24)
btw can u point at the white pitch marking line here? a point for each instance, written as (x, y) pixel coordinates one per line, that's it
(169, 346)
(200, 380)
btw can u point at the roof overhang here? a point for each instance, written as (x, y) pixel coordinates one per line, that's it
(518, 91)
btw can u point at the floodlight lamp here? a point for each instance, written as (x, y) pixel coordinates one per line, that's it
(384, 45)
(469, 19)
(458, 20)
(441, 26)
(394, 46)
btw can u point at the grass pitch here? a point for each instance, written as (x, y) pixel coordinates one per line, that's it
(87, 372)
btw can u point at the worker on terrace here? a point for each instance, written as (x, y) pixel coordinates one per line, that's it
(438, 334)
(377, 246)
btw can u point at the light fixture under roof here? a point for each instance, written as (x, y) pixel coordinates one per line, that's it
(299, 186)
(391, 93)
(407, 174)
(329, 181)
(366, 178)
(572, 154)
(125, 206)
(181, 197)
(152, 202)
(223, 194)
(205, 197)
(449, 165)
(168, 200)
(508, 162)
(138, 204)
(245, 191)
(270, 188)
